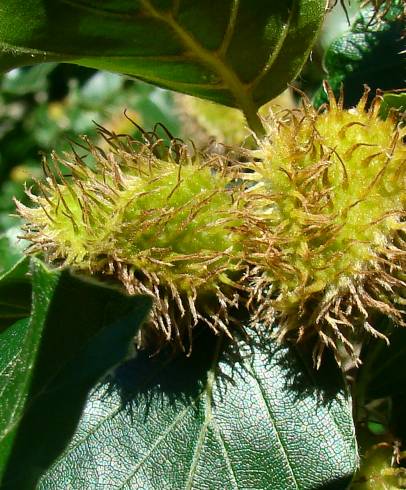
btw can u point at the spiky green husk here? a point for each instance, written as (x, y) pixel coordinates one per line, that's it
(327, 219)
(161, 226)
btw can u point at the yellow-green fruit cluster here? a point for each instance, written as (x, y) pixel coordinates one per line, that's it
(327, 219)
(163, 227)
(315, 232)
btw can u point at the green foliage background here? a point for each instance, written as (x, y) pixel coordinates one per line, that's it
(254, 417)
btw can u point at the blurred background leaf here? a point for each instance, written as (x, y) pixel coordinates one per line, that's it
(371, 51)
(43, 107)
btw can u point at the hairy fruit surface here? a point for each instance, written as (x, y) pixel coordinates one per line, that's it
(326, 214)
(162, 225)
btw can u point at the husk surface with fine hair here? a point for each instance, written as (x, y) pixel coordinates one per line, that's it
(151, 215)
(325, 223)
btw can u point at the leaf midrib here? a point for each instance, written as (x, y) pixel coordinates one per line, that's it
(207, 392)
(208, 416)
(274, 56)
(161, 437)
(213, 60)
(272, 419)
(225, 454)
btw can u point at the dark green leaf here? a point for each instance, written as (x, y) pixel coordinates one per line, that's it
(15, 285)
(18, 347)
(393, 102)
(380, 399)
(236, 52)
(382, 374)
(76, 333)
(11, 401)
(371, 52)
(221, 419)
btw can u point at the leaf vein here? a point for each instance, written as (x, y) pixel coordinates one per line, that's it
(196, 455)
(106, 418)
(226, 456)
(10, 364)
(241, 94)
(307, 370)
(228, 35)
(176, 421)
(272, 419)
(208, 391)
(101, 11)
(275, 53)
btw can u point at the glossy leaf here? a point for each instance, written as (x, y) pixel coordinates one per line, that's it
(259, 418)
(235, 52)
(12, 401)
(371, 52)
(76, 333)
(15, 285)
(393, 102)
(18, 347)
